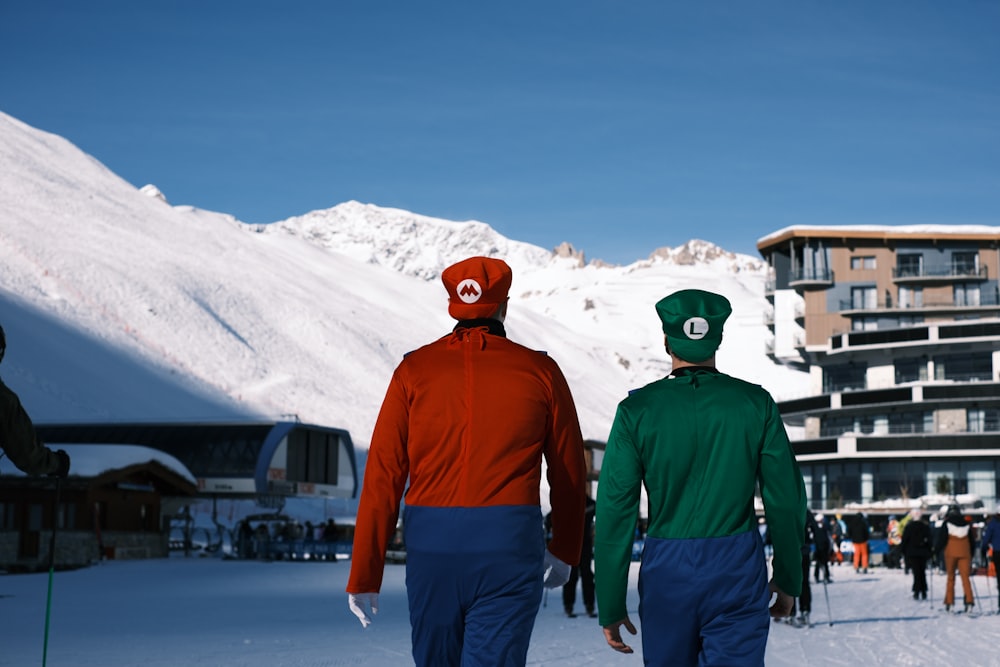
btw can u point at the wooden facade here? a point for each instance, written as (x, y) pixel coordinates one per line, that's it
(120, 513)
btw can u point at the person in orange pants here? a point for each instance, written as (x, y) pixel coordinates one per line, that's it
(958, 555)
(857, 533)
(861, 556)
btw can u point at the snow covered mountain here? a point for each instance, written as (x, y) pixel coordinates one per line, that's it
(120, 306)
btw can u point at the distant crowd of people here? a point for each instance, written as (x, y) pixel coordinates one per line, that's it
(948, 541)
(272, 539)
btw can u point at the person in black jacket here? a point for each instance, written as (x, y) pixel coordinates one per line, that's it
(823, 549)
(857, 533)
(583, 572)
(916, 546)
(803, 604)
(18, 438)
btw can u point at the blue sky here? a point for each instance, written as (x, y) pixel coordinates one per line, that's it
(617, 126)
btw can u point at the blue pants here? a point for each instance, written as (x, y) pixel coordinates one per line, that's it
(704, 601)
(474, 583)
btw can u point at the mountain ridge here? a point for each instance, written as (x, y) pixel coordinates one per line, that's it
(307, 316)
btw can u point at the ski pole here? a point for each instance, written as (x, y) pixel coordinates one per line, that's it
(975, 589)
(826, 592)
(932, 583)
(52, 566)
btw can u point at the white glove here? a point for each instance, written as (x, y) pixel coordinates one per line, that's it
(556, 571)
(360, 603)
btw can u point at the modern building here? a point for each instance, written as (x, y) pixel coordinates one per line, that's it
(899, 330)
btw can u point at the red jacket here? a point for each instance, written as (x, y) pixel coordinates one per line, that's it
(468, 419)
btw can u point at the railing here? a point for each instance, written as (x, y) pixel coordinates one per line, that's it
(811, 276)
(985, 300)
(953, 378)
(947, 273)
(991, 426)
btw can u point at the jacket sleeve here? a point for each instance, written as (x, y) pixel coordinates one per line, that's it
(386, 471)
(566, 473)
(614, 526)
(783, 493)
(19, 439)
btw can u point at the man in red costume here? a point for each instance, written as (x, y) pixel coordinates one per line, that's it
(468, 419)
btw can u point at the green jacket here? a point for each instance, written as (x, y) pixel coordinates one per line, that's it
(700, 442)
(19, 440)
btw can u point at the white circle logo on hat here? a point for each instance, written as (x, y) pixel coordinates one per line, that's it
(469, 290)
(695, 328)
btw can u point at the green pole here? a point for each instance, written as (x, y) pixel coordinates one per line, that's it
(52, 567)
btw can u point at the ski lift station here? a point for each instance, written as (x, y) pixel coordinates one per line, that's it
(264, 461)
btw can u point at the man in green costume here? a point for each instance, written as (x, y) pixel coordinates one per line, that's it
(700, 441)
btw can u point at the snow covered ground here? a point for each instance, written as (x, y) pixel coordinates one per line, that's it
(182, 611)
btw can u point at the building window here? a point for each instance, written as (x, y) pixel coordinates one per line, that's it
(966, 294)
(911, 297)
(860, 263)
(913, 421)
(982, 420)
(912, 369)
(910, 320)
(864, 298)
(34, 517)
(973, 366)
(864, 323)
(941, 478)
(964, 263)
(909, 266)
(6, 516)
(983, 484)
(848, 377)
(67, 516)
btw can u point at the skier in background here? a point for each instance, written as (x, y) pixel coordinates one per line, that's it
(823, 549)
(917, 550)
(958, 556)
(858, 533)
(991, 546)
(583, 572)
(810, 544)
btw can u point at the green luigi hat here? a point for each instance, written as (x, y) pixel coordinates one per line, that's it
(692, 320)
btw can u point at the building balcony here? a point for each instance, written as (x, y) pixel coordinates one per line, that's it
(958, 389)
(982, 301)
(901, 446)
(810, 278)
(903, 429)
(945, 275)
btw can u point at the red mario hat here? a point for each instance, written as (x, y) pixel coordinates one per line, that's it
(476, 287)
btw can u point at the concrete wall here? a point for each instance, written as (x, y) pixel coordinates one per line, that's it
(80, 548)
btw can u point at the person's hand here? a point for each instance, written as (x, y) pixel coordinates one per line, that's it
(556, 571)
(364, 606)
(62, 469)
(782, 606)
(613, 635)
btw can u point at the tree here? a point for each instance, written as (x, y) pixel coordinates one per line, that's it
(943, 485)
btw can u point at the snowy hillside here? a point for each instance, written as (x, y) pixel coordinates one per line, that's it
(121, 306)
